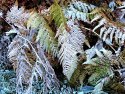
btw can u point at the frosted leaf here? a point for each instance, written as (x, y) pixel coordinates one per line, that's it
(17, 16)
(1, 14)
(108, 41)
(90, 53)
(103, 29)
(112, 33)
(106, 53)
(112, 5)
(12, 31)
(91, 61)
(78, 10)
(101, 22)
(123, 39)
(72, 43)
(106, 33)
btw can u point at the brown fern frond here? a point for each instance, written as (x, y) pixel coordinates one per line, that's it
(108, 15)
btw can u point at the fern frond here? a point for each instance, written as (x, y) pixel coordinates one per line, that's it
(97, 50)
(71, 42)
(57, 14)
(83, 7)
(34, 20)
(31, 65)
(108, 29)
(17, 16)
(108, 33)
(47, 40)
(68, 61)
(108, 15)
(45, 34)
(78, 10)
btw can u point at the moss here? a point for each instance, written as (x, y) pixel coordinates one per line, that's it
(90, 74)
(100, 71)
(80, 74)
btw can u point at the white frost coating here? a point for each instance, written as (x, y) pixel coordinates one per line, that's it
(102, 30)
(112, 5)
(116, 35)
(17, 16)
(106, 33)
(12, 31)
(78, 10)
(101, 22)
(112, 33)
(123, 38)
(1, 14)
(71, 43)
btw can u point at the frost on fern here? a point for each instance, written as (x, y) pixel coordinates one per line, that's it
(110, 31)
(79, 10)
(17, 16)
(31, 65)
(26, 51)
(70, 44)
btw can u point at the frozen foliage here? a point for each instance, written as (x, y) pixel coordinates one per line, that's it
(112, 5)
(4, 42)
(17, 16)
(7, 81)
(31, 66)
(71, 42)
(79, 10)
(1, 14)
(61, 32)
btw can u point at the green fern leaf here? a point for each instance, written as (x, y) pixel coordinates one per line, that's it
(45, 34)
(57, 14)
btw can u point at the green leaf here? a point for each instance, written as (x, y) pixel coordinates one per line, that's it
(57, 14)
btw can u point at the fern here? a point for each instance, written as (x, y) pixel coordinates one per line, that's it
(71, 42)
(68, 34)
(108, 32)
(45, 34)
(108, 28)
(73, 23)
(57, 14)
(29, 60)
(17, 16)
(34, 20)
(79, 10)
(31, 64)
